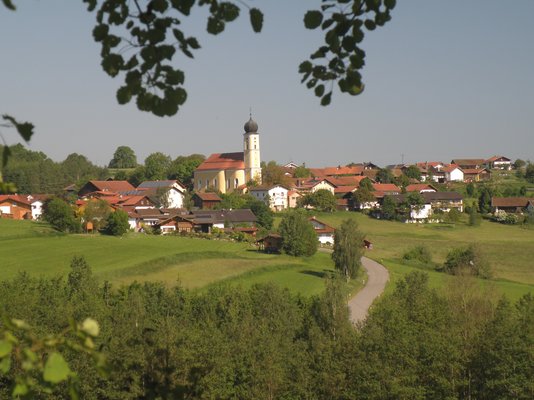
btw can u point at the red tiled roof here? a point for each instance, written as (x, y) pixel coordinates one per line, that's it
(417, 187)
(132, 200)
(113, 186)
(209, 196)
(496, 158)
(451, 167)
(386, 187)
(326, 228)
(345, 189)
(473, 171)
(510, 201)
(223, 161)
(468, 161)
(335, 171)
(346, 180)
(15, 197)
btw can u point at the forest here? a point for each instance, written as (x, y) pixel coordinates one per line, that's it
(263, 342)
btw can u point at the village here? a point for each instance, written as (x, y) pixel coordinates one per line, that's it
(422, 192)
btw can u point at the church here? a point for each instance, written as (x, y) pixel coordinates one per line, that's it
(225, 172)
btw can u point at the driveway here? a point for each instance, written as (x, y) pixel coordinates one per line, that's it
(377, 278)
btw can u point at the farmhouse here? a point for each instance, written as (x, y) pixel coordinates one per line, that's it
(105, 187)
(499, 162)
(172, 192)
(15, 206)
(324, 232)
(276, 194)
(226, 172)
(512, 204)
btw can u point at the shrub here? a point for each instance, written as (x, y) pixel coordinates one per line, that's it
(298, 235)
(117, 223)
(418, 253)
(469, 259)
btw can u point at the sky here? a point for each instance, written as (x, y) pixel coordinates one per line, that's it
(444, 79)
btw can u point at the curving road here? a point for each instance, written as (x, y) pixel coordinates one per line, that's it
(377, 278)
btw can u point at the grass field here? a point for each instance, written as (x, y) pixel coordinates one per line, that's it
(194, 263)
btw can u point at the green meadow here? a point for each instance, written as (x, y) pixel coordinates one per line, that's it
(509, 248)
(193, 263)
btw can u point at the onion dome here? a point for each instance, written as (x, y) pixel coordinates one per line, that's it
(251, 126)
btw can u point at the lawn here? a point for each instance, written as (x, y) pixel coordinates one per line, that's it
(194, 263)
(510, 249)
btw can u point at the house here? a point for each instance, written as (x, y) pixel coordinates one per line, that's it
(499, 162)
(324, 232)
(225, 172)
(453, 173)
(206, 220)
(109, 186)
(272, 243)
(307, 185)
(432, 202)
(512, 204)
(469, 163)
(476, 175)
(421, 188)
(14, 206)
(206, 200)
(276, 195)
(337, 171)
(293, 197)
(173, 191)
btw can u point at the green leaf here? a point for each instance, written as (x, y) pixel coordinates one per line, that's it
(305, 67)
(25, 129)
(5, 348)
(90, 326)
(256, 19)
(5, 365)
(193, 43)
(56, 369)
(312, 19)
(100, 32)
(21, 389)
(370, 24)
(319, 90)
(215, 26)
(390, 4)
(124, 95)
(326, 99)
(159, 5)
(229, 11)
(9, 5)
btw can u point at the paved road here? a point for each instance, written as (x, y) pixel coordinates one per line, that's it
(377, 278)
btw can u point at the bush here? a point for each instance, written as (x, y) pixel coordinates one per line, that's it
(117, 223)
(418, 253)
(469, 259)
(61, 216)
(298, 235)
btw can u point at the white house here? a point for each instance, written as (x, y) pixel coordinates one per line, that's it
(499, 162)
(277, 195)
(172, 189)
(324, 232)
(453, 173)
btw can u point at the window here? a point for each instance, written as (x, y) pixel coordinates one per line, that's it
(215, 183)
(228, 184)
(236, 183)
(200, 183)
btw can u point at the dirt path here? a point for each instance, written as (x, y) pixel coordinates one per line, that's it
(377, 278)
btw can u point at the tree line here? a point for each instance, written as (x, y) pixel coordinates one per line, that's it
(34, 172)
(263, 342)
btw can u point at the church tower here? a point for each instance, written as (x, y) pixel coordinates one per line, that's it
(251, 150)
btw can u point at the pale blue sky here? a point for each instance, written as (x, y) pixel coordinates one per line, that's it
(444, 79)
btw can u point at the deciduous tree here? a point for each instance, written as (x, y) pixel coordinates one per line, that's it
(348, 248)
(298, 235)
(124, 157)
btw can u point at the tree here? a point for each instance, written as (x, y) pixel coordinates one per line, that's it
(471, 189)
(474, 217)
(362, 195)
(302, 172)
(96, 211)
(413, 172)
(389, 208)
(518, 164)
(484, 199)
(321, 200)
(124, 157)
(117, 223)
(298, 235)
(366, 183)
(467, 260)
(156, 166)
(348, 248)
(529, 172)
(182, 168)
(61, 216)
(385, 175)
(273, 174)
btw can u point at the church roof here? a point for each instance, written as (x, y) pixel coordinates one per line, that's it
(221, 161)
